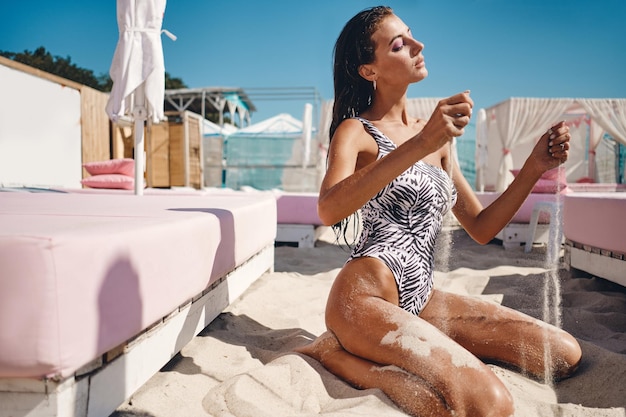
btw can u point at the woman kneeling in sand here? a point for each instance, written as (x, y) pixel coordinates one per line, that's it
(387, 327)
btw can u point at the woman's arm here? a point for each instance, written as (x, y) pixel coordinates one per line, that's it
(354, 175)
(347, 186)
(482, 224)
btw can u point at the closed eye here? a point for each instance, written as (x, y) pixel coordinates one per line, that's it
(397, 44)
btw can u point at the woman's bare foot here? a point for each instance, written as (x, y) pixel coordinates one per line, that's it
(322, 347)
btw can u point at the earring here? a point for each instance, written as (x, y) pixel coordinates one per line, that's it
(374, 84)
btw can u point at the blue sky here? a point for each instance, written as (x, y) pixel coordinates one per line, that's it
(496, 48)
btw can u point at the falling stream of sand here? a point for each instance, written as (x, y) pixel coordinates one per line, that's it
(445, 236)
(444, 240)
(552, 284)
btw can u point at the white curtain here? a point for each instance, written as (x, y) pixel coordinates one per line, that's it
(607, 115)
(610, 114)
(326, 117)
(595, 136)
(481, 154)
(521, 120)
(576, 165)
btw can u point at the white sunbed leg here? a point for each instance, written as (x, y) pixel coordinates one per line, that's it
(532, 227)
(555, 236)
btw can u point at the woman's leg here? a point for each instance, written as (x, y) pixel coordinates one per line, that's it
(380, 345)
(410, 393)
(494, 332)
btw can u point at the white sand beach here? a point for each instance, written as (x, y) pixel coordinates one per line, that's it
(242, 365)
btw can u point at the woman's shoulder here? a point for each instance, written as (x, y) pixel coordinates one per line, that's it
(354, 133)
(352, 123)
(351, 127)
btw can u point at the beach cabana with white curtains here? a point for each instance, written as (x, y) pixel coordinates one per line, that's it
(507, 132)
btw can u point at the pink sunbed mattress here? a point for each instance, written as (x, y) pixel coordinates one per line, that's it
(82, 273)
(596, 219)
(525, 212)
(292, 207)
(297, 208)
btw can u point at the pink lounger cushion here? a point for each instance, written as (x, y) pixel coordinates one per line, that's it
(122, 166)
(297, 208)
(551, 182)
(524, 214)
(82, 273)
(596, 219)
(114, 181)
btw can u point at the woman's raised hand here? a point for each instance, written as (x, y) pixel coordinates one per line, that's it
(552, 149)
(448, 120)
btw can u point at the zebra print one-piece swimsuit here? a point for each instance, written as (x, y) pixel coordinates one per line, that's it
(400, 224)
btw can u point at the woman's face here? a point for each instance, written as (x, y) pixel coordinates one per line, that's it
(398, 56)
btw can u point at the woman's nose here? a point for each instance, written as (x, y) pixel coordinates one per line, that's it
(416, 47)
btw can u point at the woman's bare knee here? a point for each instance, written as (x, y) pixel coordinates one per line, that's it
(500, 400)
(567, 356)
(484, 395)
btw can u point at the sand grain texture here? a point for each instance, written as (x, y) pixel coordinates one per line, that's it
(242, 364)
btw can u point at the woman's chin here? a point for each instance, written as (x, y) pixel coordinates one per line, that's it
(421, 75)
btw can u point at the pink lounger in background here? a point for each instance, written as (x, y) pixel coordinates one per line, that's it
(298, 221)
(594, 225)
(517, 231)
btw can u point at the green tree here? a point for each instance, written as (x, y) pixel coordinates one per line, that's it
(57, 65)
(63, 67)
(172, 83)
(105, 82)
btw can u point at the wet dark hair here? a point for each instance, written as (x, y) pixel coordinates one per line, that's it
(354, 47)
(353, 94)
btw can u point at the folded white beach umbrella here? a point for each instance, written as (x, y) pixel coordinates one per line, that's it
(138, 72)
